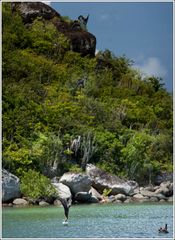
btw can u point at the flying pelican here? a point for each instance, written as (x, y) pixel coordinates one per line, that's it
(66, 202)
(164, 230)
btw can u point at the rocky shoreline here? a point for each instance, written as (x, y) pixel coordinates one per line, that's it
(94, 186)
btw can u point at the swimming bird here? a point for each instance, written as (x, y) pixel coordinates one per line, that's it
(66, 202)
(164, 230)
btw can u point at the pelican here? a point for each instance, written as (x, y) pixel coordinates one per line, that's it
(164, 230)
(66, 202)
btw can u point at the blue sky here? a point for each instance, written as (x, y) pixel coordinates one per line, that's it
(141, 31)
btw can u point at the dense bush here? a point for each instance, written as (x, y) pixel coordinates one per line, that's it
(34, 185)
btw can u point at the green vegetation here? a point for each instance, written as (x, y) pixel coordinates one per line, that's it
(34, 185)
(124, 122)
(106, 192)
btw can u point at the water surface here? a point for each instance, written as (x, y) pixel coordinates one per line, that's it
(89, 221)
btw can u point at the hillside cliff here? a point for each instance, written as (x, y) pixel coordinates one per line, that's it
(81, 41)
(62, 111)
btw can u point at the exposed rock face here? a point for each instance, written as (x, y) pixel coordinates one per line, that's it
(63, 190)
(10, 186)
(102, 180)
(76, 182)
(31, 10)
(81, 41)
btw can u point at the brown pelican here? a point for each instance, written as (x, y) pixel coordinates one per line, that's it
(164, 230)
(66, 202)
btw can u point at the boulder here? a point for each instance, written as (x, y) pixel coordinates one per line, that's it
(162, 200)
(164, 190)
(111, 198)
(128, 200)
(10, 186)
(93, 199)
(139, 196)
(95, 193)
(43, 204)
(62, 190)
(82, 196)
(85, 197)
(80, 40)
(152, 194)
(170, 199)
(102, 180)
(149, 188)
(120, 197)
(154, 199)
(163, 177)
(77, 182)
(20, 201)
(57, 203)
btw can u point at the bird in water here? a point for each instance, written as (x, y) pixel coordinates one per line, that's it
(164, 230)
(66, 202)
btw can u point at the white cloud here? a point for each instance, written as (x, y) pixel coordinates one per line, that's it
(152, 66)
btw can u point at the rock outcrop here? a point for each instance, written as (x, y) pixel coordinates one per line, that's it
(62, 190)
(81, 41)
(102, 180)
(10, 186)
(31, 10)
(76, 182)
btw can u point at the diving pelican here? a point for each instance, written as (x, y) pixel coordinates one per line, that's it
(66, 202)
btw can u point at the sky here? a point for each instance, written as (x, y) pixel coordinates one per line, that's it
(142, 31)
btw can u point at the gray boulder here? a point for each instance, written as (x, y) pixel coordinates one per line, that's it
(10, 186)
(139, 196)
(85, 197)
(120, 197)
(57, 203)
(163, 190)
(43, 204)
(20, 201)
(154, 199)
(102, 180)
(152, 194)
(77, 182)
(62, 190)
(95, 193)
(82, 196)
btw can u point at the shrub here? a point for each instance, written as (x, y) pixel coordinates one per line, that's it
(35, 185)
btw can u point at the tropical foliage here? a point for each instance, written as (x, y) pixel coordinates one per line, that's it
(123, 122)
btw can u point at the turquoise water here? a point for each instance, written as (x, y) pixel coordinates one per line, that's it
(89, 221)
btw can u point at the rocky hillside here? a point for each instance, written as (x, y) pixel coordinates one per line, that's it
(81, 41)
(64, 108)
